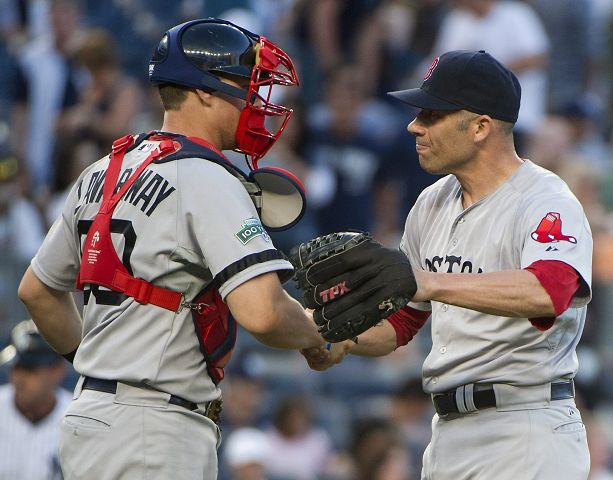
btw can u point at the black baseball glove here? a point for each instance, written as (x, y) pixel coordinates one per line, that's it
(351, 281)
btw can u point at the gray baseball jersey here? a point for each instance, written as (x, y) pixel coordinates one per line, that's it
(181, 224)
(532, 216)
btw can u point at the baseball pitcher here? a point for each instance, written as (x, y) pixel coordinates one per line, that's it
(501, 253)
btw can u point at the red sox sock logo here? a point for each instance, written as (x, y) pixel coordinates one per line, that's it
(550, 230)
(331, 293)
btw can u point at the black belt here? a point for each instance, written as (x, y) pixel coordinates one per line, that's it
(445, 403)
(211, 410)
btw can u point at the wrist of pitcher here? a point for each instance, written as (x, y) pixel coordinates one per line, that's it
(348, 344)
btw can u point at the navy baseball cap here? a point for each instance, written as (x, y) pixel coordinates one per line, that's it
(28, 348)
(467, 80)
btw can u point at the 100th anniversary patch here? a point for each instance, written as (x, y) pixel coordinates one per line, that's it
(251, 228)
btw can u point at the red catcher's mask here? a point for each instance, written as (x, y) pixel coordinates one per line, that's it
(272, 67)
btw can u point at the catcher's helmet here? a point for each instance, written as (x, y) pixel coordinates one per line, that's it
(198, 53)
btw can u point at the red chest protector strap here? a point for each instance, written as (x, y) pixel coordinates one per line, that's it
(100, 264)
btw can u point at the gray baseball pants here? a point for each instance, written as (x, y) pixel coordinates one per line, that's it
(135, 434)
(547, 443)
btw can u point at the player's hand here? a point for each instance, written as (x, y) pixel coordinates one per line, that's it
(322, 359)
(318, 358)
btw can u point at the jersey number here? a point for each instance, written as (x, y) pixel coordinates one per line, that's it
(125, 228)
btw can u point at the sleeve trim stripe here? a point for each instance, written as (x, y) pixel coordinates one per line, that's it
(245, 263)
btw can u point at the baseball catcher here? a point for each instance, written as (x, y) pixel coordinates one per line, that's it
(351, 282)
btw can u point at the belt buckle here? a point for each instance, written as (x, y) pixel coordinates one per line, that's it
(434, 397)
(212, 411)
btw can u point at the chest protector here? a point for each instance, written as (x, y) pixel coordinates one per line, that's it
(100, 264)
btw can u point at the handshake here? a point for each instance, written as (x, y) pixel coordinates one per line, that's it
(351, 283)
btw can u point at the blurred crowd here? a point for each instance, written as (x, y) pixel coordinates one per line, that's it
(73, 77)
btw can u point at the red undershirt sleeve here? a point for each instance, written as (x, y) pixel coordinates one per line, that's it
(561, 282)
(407, 321)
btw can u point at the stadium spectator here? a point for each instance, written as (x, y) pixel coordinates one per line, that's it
(31, 407)
(512, 32)
(246, 452)
(22, 230)
(411, 412)
(378, 452)
(137, 24)
(21, 226)
(13, 98)
(333, 32)
(300, 449)
(567, 23)
(600, 449)
(348, 136)
(243, 393)
(109, 102)
(587, 139)
(52, 87)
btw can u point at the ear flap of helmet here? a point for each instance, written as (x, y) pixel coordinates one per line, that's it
(283, 198)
